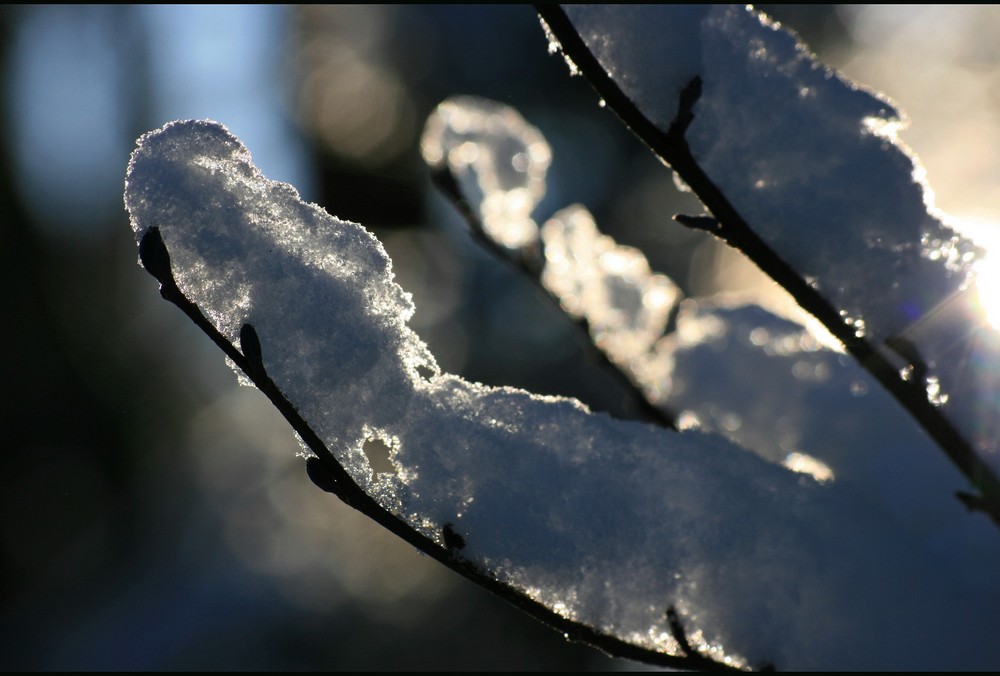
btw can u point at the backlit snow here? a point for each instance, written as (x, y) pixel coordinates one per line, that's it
(608, 522)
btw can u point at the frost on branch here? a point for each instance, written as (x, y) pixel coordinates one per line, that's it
(812, 164)
(606, 522)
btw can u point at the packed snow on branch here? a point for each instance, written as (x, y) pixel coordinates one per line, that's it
(727, 364)
(497, 158)
(607, 522)
(812, 163)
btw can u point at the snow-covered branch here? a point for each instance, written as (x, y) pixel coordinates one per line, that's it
(597, 526)
(801, 170)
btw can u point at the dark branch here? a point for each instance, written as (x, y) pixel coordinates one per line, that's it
(677, 631)
(250, 344)
(706, 223)
(680, 635)
(327, 473)
(154, 256)
(452, 540)
(672, 148)
(685, 109)
(320, 474)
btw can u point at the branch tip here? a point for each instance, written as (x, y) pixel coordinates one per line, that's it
(250, 345)
(685, 108)
(677, 631)
(706, 223)
(154, 256)
(452, 540)
(321, 475)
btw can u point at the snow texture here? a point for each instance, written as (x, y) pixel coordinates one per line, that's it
(812, 163)
(607, 522)
(499, 162)
(608, 31)
(498, 159)
(815, 411)
(611, 286)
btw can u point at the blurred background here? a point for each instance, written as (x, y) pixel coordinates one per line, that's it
(153, 514)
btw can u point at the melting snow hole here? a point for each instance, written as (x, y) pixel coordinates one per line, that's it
(378, 454)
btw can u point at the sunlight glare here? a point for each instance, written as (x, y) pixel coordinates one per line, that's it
(988, 283)
(987, 235)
